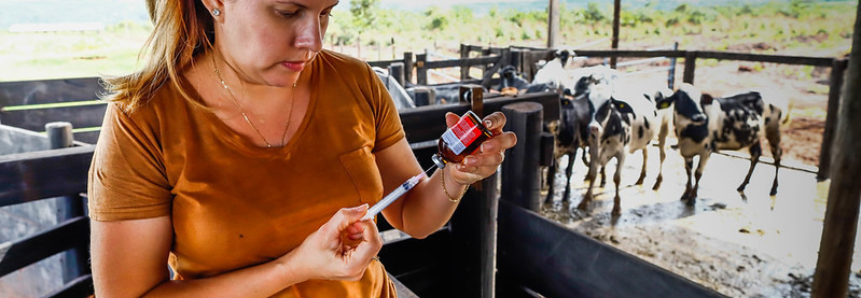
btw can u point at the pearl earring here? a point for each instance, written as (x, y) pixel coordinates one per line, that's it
(216, 12)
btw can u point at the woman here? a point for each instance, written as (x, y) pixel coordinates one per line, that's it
(240, 154)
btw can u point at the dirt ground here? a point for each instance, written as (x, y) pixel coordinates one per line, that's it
(741, 245)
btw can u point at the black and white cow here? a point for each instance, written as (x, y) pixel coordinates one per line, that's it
(570, 135)
(705, 124)
(512, 83)
(553, 72)
(622, 122)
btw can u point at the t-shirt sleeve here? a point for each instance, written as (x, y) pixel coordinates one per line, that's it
(388, 122)
(127, 178)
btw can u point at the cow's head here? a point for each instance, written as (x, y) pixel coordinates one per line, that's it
(689, 103)
(563, 55)
(601, 107)
(508, 72)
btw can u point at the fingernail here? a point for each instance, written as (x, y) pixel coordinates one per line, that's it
(487, 122)
(359, 208)
(469, 161)
(485, 147)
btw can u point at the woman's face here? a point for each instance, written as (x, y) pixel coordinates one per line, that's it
(270, 42)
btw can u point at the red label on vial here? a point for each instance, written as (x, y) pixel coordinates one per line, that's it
(461, 135)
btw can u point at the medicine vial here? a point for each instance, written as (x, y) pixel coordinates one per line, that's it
(461, 140)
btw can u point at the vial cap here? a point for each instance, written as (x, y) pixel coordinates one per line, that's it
(440, 163)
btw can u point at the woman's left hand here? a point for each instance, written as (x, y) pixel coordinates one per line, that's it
(489, 156)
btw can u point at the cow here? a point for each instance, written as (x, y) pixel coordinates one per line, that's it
(704, 124)
(510, 77)
(399, 96)
(553, 72)
(513, 84)
(621, 123)
(570, 135)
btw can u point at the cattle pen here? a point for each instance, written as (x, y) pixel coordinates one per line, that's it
(466, 258)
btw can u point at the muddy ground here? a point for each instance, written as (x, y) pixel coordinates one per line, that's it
(741, 245)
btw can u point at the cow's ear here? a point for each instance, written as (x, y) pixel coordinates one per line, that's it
(706, 99)
(622, 107)
(664, 102)
(565, 101)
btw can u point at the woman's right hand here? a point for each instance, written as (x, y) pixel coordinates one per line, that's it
(341, 249)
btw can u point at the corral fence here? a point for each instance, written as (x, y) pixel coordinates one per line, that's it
(525, 60)
(525, 239)
(32, 104)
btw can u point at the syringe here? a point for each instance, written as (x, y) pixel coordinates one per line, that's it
(395, 194)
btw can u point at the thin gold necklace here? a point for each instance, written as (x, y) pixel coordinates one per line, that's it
(236, 102)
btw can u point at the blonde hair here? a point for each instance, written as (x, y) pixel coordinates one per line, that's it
(182, 29)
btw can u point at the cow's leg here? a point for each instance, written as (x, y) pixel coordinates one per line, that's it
(586, 160)
(551, 180)
(645, 164)
(617, 179)
(662, 142)
(568, 172)
(689, 164)
(603, 176)
(773, 135)
(704, 158)
(593, 169)
(755, 153)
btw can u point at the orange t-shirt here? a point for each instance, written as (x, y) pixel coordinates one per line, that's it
(234, 204)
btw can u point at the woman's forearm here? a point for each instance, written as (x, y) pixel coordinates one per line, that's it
(428, 207)
(262, 280)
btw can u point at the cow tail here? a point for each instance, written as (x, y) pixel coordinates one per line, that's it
(787, 119)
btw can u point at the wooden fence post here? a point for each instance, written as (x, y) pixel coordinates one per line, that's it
(421, 70)
(473, 232)
(617, 8)
(838, 68)
(844, 196)
(517, 59)
(690, 67)
(396, 70)
(473, 225)
(520, 171)
(74, 261)
(553, 24)
(408, 67)
(671, 77)
(464, 53)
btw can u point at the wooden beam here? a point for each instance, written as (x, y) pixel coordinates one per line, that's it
(831, 278)
(19, 254)
(44, 174)
(466, 62)
(797, 60)
(630, 53)
(49, 91)
(548, 258)
(80, 287)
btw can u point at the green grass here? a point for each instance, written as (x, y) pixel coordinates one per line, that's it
(800, 28)
(32, 56)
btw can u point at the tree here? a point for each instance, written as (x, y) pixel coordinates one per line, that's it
(364, 14)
